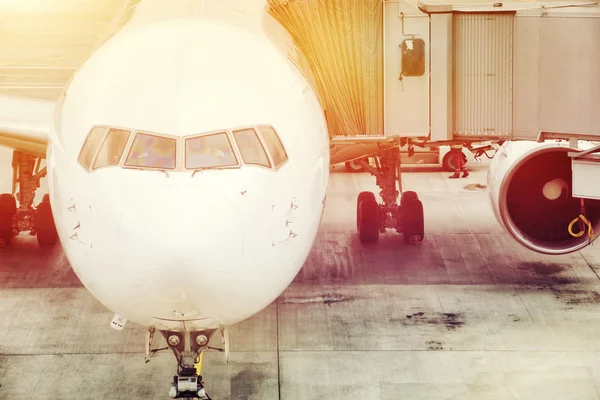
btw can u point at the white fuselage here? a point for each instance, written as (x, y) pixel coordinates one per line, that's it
(211, 249)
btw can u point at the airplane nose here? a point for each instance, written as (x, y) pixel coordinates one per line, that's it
(178, 227)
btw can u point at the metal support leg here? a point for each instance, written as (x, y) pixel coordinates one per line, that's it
(399, 173)
(225, 337)
(149, 339)
(387, 179)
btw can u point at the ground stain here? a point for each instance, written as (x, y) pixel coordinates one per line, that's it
(475, 186)
(549, 270)
(541, 268)
(328, 298)
(434, 345)
(450, 320)
(246, 384)
(574, 296)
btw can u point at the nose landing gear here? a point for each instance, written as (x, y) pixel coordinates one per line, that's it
(188, 348)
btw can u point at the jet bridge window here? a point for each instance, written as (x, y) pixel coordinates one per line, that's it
(90, 146)
(112, 148)
(274, 145)
(152, 151)
(251, 148)
(413, 57)
(209, 151)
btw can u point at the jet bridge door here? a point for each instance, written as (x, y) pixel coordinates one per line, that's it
(406, 75)
(483, 74)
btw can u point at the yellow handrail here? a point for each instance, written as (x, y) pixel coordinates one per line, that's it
(590, 229)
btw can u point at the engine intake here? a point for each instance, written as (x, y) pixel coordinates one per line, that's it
(530, 189)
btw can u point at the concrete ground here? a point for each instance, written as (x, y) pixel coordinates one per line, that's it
(469, 314)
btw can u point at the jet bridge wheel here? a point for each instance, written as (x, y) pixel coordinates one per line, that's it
(8, 209)
(353, 166)
(44, 224)
(367, 217)
(411, 218)
(449, 161)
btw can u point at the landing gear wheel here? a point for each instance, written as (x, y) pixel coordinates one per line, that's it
(370, 196)
(413, 224)
(449, 163)
(367, 219)
(44, 224)
(8, 209)
(354, 166)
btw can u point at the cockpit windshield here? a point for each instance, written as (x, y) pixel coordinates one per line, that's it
(209, 151)
(257, 145)
(251, 148)
(150, 151)
(274, 145)
(113, 147)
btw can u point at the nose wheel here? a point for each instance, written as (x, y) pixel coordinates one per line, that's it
(188, 384)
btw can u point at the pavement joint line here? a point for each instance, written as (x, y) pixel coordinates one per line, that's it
(589, 265)
(141, 354)
(278, 350)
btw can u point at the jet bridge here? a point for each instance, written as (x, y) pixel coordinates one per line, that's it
(438, 71)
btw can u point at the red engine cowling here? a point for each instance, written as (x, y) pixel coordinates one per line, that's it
(530, 189)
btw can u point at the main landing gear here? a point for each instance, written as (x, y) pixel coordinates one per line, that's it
(188, 348)
(373, 218)
(24, 217)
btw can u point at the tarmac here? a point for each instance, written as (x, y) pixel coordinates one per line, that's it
(468, 314)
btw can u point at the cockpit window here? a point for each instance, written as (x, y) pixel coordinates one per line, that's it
(105, 146)
(251, 148)
(274, 145)
(209, 151)
(112, 148)
(92, 142)
(150, 151)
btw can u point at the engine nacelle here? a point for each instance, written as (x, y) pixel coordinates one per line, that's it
(530, 189)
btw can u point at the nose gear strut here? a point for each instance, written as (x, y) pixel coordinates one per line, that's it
(188, 348)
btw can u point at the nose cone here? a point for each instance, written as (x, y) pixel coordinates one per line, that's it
(180, 228)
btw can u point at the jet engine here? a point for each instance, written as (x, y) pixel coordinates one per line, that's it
(530, 189)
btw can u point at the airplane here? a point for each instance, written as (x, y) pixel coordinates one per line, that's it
(188, 163)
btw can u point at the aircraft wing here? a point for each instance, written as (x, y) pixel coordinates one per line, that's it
(25, 124)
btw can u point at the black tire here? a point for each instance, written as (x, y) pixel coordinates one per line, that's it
(448, 161)
(44, 225)
(368, 221)
(8, 202)
(352, 166)
(412, 218)
(8, 209)
(363, 196)
(408, 197)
